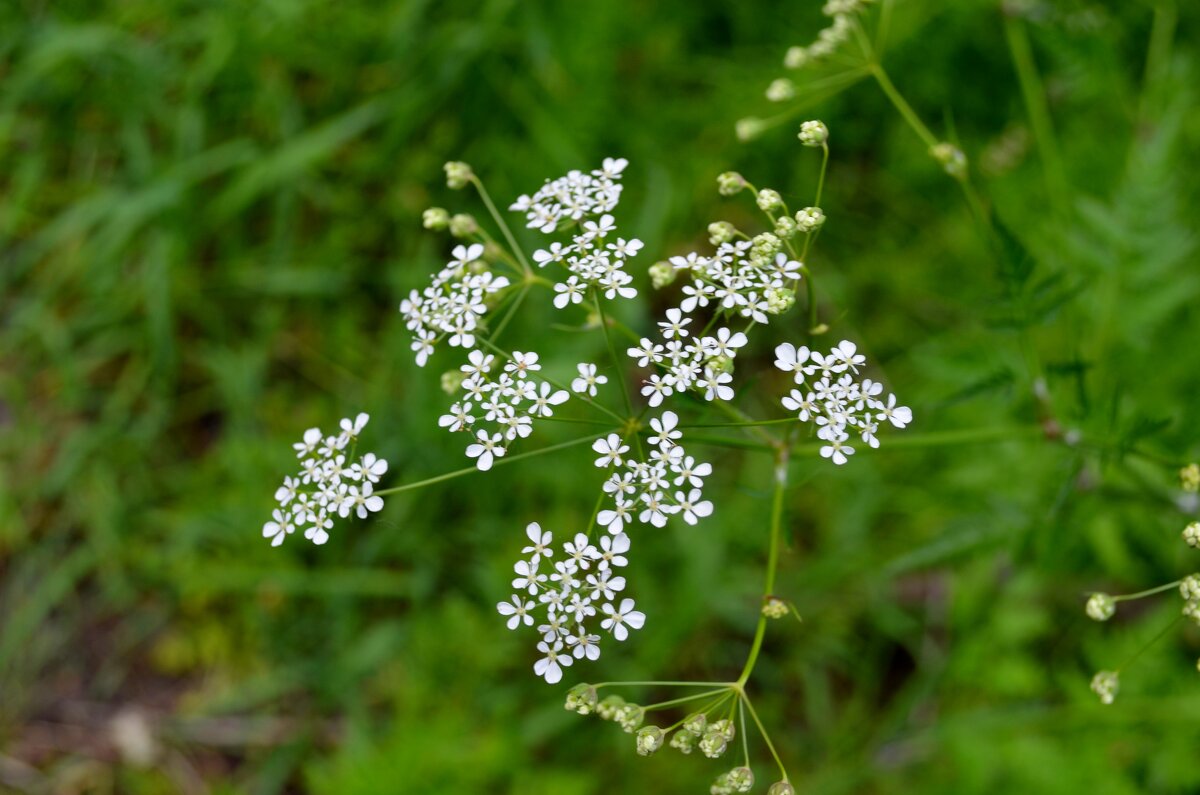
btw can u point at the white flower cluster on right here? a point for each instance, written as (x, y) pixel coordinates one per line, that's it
(573, 197)
(510, 402)
(570, 589)
(327, 485)
(452, 304)
(643, 491)
(830, 397)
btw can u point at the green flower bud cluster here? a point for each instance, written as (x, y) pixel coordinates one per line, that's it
(769, 200)
(1100, 607)
(764, 248)
(435, 218)
(649, 740)
(774, 608)
(781, 90)
(1105, 684)
(813, 133)
(452, 381)
(721, 232)
(780, 300)
(463, 225)
(953, 161)
(730, 183)
(1191, 535)
(661, 274)
(458, 174)
(810, 218)
(785, 227)
(1189, 478)
(582, 699)
(717, 738)
(781, 788)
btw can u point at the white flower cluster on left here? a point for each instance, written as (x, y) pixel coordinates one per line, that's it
(510, 402)
(573, 590)
(452, 304)
(329, 483)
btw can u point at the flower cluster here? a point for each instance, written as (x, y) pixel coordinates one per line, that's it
(753, 278)
(703, 363)
(1105, 684)
(592, 261)
(670, 483)
(571, 589)
(573, 197)
(510, 402)
(330, 483)
(834, 35)
(452, 304)
(830, 397)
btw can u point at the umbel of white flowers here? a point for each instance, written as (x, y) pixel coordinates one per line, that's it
(569, 593)
(331, 482)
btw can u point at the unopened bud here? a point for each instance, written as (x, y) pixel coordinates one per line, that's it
(813, 133)
(649, 740)
(774, 608)
(810, 218)
(435, 218)
(780, 300)
(769, 199)
(451, 381)
(1189, 478)
(661, 274)
(582, 699)
(1191, 535)
(781, 90)
(458, 174)
(953, 161)
(730, 183)
(1105, 685)
(795, 58)
(463, 225)
(1101, 606)
(721, 232)
(749, 128)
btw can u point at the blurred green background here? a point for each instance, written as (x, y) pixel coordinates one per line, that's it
(209, 212)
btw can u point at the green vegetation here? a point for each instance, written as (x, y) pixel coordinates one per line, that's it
(210, 211)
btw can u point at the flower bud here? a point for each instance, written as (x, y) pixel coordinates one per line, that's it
(1100, 607)
(795, 58)
(458, 174)
(1192, 610)
(781, 788)
(435, 218)
(780, 300)
(730, 183)
(463, 225)
(452, 381)
(741, 779)
(951, 157)
(1189, 589)
(785, 227)
(769, 199)
(1189, 478)
(813, 133)
(713, 744)
(719, 364)
(810, 218)
(721, 786)
(774, 608)
(764, 247)
(582, 699)
(649, 740)
(781, 90)
(1106, 684)
(630, 717)
(749, 128)
(683, 741)
(609, 707)
(695, 724)
(721, 232)
(1191, 535)
(661, 274)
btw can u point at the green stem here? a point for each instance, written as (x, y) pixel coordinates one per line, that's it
(902, 105)
(499, 219)
(1161, 634)
(781, 467)
(499, 462)
(1036, 107)
(766, 737)
(1148, 592)
(684, 699)
(662, 684)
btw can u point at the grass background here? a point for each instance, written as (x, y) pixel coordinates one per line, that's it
(209, 212)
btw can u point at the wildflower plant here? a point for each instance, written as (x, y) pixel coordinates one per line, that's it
(570, 593)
